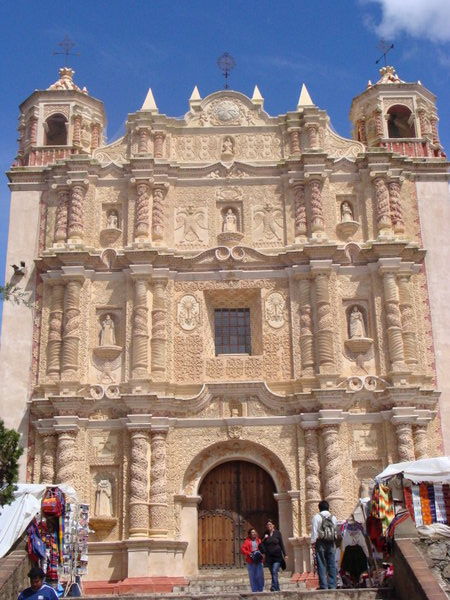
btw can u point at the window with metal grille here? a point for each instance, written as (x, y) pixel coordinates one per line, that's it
(232, 330)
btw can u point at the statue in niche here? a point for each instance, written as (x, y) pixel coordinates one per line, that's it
(112, 220)
(103, 499)
(346, 212)
(356, 324)
(107, 333)
(229, 221)
(228, 145)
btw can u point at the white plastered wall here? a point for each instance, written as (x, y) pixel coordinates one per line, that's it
(17, 322)
(434, 210)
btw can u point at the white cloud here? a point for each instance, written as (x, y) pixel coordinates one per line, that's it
(420, 18)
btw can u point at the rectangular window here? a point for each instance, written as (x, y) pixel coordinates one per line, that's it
(232, 330)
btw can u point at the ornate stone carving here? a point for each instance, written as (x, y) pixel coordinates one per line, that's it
(191, 226)
(300, 212)
(48, 458)
(77, 130)
(55, 331)
(140, 330)
(188, 312)
(267, 223)
(76, 212)
(346, 212)
(159, 333)
(158, 144)
(112, 219)
(324, 322)
(95, 135)
(143, 138)
(396, 207)
(315, 191)
(159, 193)
(66, 457)
(141, 223)
(421, 448)
(332, 471)
(306, 333)
(103, 499)
(312, 129)
(393, 320)
(61, 218)
(407, 319)
(356, 325)
(294, 140)
(228, 147)
(158, 484)
(382, 205)
(405, 446)
(107, 331)
(229, 221)
(312, 473)
(138, 512)
(275, 308)
(71, 330)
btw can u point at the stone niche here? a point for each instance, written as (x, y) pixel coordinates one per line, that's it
(107, 344)
(347, 217)
(112, 225)
(104, 501)
(357, 328)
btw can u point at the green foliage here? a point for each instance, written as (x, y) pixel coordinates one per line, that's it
(10, 292)
(10, 452)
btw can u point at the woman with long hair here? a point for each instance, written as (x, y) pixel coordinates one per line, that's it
(275, 554)
(254, 559)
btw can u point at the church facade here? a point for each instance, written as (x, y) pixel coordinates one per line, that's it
(232, 314)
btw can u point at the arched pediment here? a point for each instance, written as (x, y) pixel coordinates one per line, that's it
(227, 109)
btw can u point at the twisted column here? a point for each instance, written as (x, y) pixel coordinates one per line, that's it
(312, 472)
(424, 123)
(300, 212)
(138, 503)
(143, 137)
(158, 145)
(159, 333)
(139, 363)
(324, 322)
(394, 188)
(361, 129)
(54, 343)
(48, 458)
(95, 135)
(434, 129)
(393, 321)
(420, 435)
(158, 484)
(315, 190)
(306, 331)
(332, 472)
(61, 217)
(159, 193)
(378, 122)
(71, 328)
(33, 122)
(294, 140)
(66, 457)
(405, 445)
(312, 130)
(76, 212)
(141, 215)
(382, 206)
(77, 130)
(407, 319)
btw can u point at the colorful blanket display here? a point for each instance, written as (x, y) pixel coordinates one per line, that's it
(428, 503)
(382, 505)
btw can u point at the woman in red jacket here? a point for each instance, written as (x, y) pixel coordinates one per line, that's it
(254, 559)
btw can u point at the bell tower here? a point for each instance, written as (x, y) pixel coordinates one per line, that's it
(398, 116)
(58, 122)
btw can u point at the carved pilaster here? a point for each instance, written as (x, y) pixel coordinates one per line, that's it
(158, 484)
(378, 122)
(424, 123)
(315, 192)
(48, 458)
(306, 327)
(407, 319)
(71, 329)
(138, 503)
(393, 321)
(312, 130)
(332, 472)
(54, 343)
(140, 330)
(143, 139)
(77, 130)
(312, 472)
(159, 325)
(361, 129)
(398, 224)
(61, 218)
(434, 129)
(324, 322)
(159, 193)
(382, 206)
(420, 435)
(294, 140)
(158, 144)
(66, 457)
(76, 212)
(95, 135)
(33, 124)
(405, 445)
(141, 214)
(300, 212)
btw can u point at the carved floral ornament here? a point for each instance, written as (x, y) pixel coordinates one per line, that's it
(188, 312)
(275, 310)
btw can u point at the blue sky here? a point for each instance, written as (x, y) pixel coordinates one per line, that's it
(127, 46)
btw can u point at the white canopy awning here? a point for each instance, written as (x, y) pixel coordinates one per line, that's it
(434, 470)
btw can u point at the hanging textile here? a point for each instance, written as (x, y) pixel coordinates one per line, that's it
(386, 513)
(425, 504)
(430, 490)
(446, 492)
(441, 516)
(417, 505)
(409, 501)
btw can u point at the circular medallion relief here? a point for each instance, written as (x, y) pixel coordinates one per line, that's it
(275, 305)
(226, 111)
(188, 312)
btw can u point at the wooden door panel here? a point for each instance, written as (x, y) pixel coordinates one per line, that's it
(216, 540)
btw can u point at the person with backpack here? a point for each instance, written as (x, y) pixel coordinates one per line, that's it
(323, 541)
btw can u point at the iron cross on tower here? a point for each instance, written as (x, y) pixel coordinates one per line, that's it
(385, 47)
(67, 44)
(226, 63)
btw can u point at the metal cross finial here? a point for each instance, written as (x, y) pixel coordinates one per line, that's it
(226, 63)
(67, 44)
(385, 47)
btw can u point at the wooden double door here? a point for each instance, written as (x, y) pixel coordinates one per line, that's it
(236, 496)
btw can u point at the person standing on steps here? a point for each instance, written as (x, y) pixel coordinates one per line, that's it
(254, 559)
(38, 590)
(273, 548)
(323, 540)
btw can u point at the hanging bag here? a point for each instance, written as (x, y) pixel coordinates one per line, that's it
(51, 504)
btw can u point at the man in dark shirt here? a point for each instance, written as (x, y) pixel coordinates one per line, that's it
(38, 590)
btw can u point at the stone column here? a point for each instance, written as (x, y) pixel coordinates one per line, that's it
(393, 321)
(159, 325)
(294, 140)
(76, 213)
(434, 129)
(159, 192)
(424, 123)
(76, 138)
(33, 122)
(71, 329)
(306, 330)
(312, 472)
(398, 224)
(141, 211)
(54, 343)
(407, 319)
(312, 130)
(95, 135)
(138, 501)
(382, 207)
(139, 362)
(143, 138)
(315, 192)
(48, 458)
(405, 445)
(300, 211)
(66, 454)
(285, 516)
(158, 484)
(61, 217)
(158, 144)
(420, 435)
(361, 129)
(332, 472)
(324, 323)
(377, 113)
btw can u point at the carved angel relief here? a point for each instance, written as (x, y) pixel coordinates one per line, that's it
(188, 312)
(191, 226)
(267, 223)
(275, 305)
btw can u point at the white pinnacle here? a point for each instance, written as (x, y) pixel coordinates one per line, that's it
(304, 98)
(195, 94)
(257, 98)
(149, 102)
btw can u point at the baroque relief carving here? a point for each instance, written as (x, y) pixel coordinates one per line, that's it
(188, 312)
(275, 310)
(267, 223)
(191, 226)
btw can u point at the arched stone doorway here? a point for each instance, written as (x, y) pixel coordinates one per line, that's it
(236, 495)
